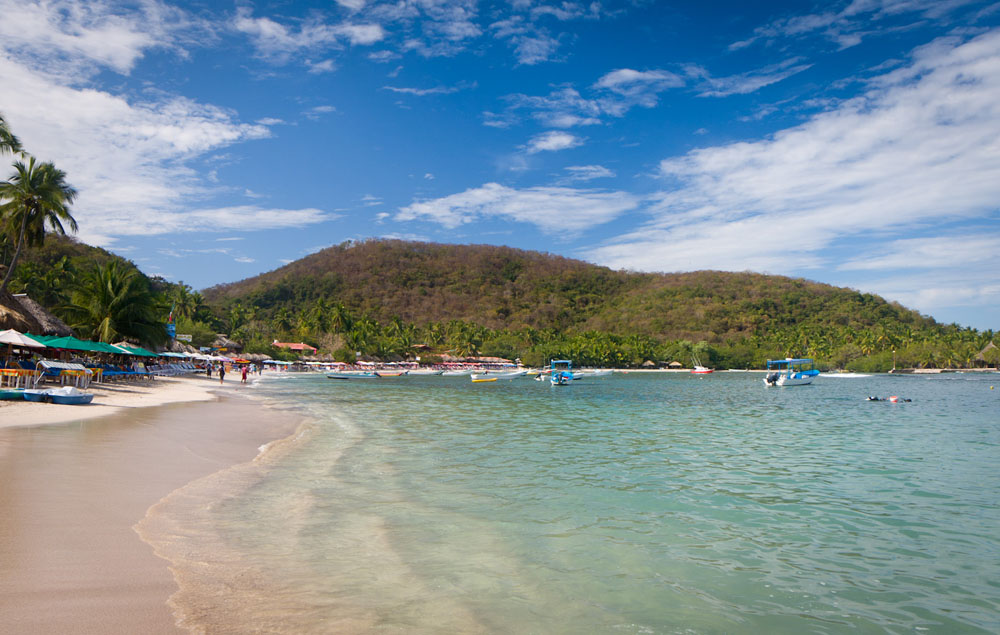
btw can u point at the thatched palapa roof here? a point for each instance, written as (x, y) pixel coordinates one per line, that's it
(32, 316)
(14, 316)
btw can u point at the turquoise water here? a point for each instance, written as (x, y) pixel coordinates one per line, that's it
(641, 503)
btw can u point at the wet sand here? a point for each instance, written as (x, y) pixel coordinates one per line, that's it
(71, 493)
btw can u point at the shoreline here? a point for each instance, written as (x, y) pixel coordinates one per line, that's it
(77, 481)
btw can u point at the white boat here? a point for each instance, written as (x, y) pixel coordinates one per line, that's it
(352, 374)
(699, 368)
(498, 375)
(790, 372)
(604, 372)
(425, 371)
(461, 372)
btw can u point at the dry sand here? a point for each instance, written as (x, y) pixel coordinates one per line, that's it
(70, 493)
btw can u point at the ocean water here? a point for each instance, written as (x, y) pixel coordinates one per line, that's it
(639, 503)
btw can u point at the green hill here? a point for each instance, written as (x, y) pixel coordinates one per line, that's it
(501, 287)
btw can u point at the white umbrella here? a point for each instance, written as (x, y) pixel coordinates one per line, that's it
(15, 338)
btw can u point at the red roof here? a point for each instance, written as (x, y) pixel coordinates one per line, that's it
(294, 347)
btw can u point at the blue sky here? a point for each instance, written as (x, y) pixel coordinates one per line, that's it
(856, 143)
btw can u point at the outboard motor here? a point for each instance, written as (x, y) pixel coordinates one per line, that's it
(772, 379)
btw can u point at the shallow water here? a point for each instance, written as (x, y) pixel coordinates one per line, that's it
(640, 503)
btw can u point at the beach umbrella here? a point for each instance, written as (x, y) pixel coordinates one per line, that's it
(13, 338)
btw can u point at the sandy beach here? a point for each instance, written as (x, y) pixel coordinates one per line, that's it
(75, 480)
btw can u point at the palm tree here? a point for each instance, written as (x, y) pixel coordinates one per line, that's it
(37, 195)
(114, 302)
(8, 142)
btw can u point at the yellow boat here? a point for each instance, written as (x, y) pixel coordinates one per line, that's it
(484, 379)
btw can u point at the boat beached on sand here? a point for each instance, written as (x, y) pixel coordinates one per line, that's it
(790, 372)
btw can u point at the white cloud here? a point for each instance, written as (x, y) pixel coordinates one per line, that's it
(552, 141)
(848, 26)
(423, 92)
(626, 81)
(128, 159)
(920, 147)
(553, 209)
(325, 66)
(588, 172)
(969, 251)
(244, 259)
(278, 42)
(361, 34)
(353, 5)
(70, 39)
(744, 83)
(318, 111)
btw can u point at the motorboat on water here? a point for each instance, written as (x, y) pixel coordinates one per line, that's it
(357, 374)
(601, 372)
(561, 372)
(459, 372)
(790, 372)
(699, 368)
(425, 371)
(498, 375)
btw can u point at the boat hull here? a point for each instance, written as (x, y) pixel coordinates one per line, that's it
(71, 400)
(785, 380)
(497, 376)
(352, 376)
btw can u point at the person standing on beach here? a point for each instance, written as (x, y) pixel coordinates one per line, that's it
(208, 370)
(245, 370)
(222, 373)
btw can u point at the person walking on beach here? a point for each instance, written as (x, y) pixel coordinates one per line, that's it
(245, 370)
(222, 373)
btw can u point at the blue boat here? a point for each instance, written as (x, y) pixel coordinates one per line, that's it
(561, 372)
(11, 394)
(32, 394)
(69, 396)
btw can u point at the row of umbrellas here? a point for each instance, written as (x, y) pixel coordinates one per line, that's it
(17, 339)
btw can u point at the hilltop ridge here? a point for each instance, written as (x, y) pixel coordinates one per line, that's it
(503, 287)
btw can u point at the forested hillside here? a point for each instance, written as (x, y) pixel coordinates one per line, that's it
(501, 287)
(382, 296)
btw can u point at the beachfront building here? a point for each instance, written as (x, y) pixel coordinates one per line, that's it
(299, 347)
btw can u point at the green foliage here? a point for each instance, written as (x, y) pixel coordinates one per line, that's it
(382, 298)
(113, 302)
(201, 334)
(35, 197)
(379, 297)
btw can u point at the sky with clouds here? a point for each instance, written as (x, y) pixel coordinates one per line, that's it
(853, 142)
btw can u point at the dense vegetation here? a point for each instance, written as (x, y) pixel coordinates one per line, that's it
(381, 297)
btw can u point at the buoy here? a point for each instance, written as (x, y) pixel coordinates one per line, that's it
(894, 399)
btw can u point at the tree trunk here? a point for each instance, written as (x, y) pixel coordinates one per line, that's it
(17, 252)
